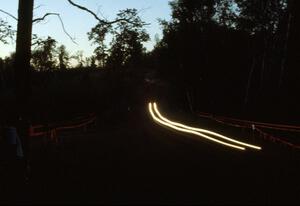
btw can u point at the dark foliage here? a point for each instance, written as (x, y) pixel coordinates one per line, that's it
(232, 57)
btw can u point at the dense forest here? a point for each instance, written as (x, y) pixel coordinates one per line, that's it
(231, 57)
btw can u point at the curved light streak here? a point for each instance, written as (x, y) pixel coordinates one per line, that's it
(202, 130)
(190, 131)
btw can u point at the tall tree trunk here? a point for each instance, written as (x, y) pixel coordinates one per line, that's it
(246, 99)
(286, 44)
(293, 54)
(23, 53)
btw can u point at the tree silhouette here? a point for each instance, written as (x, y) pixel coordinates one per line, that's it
(97, 36)
(23, 45)
(63, 57)
(226, 13)
(44, 57)
(232, 53)
(290, 72)
(6, 31)
(126, 46)
(79, 59)
(260, 16)
(247, 47)
(23, 53)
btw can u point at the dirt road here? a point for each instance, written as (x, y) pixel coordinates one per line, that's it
(130, 159)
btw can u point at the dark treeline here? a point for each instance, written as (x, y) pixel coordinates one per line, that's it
(230, 57)
(233, 57)
(62, 82)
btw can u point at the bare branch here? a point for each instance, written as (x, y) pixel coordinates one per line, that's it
(63, 26)
(87, 10)
(39, 6)
(12, 16)
(99, 12)
(105, 22)
(61, 21)
(42, 18)
(144, 9)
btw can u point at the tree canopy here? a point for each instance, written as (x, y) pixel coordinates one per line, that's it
(232, 52)
(6, 32)
(238, 55)
(126, 47)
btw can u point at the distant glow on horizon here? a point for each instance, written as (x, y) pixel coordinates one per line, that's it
(78, 22)
(190, 131)
(202, 130)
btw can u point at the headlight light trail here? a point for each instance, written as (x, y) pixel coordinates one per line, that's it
(202, 130)
(190, 131)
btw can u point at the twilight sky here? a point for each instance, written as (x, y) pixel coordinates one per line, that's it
(78, 22)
